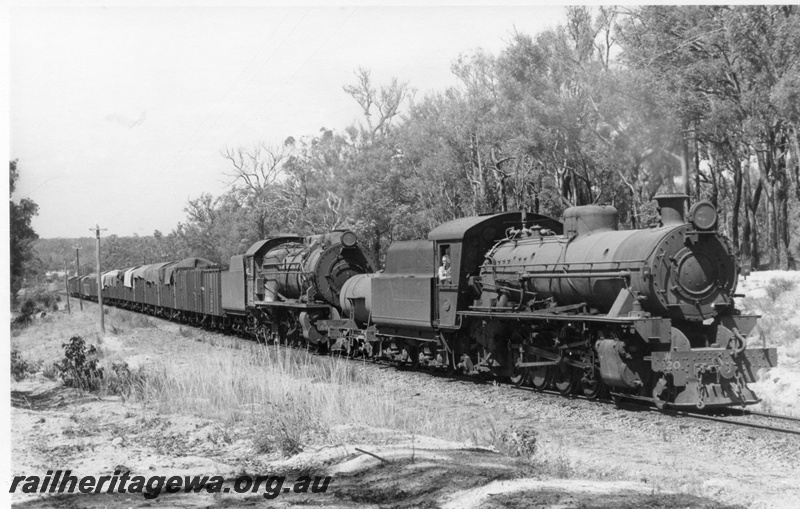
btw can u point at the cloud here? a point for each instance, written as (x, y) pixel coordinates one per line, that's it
(125, 121)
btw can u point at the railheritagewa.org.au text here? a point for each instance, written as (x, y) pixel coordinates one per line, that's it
(63, 481)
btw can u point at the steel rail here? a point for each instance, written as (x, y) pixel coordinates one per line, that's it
(683, 413)
(772, 416)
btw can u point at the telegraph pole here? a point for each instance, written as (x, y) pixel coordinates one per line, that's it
(66, 285)
(97, 231)
(80, 289)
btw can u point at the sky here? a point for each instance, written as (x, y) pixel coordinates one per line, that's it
(119, 113)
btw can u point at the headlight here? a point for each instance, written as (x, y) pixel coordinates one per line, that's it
(703, 215)
(349, 239)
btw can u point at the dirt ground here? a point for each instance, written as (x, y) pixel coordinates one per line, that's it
(58, 428)
(590, 455)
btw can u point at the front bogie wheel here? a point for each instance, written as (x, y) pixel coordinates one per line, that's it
(593, 386)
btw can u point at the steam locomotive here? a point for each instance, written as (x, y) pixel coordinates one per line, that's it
(578, 306)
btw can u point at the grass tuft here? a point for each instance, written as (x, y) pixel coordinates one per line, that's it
(124, 382)
(777, 286)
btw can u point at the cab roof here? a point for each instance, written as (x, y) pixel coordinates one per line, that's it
(490, 226)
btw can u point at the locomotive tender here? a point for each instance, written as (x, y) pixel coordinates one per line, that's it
(578, 306)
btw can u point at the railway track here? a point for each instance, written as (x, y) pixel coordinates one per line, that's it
(741, 422)
(735, 417)
(633, 403)
(741, 418)
(757, 420)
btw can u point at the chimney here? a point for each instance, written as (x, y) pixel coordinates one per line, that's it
(671, 207)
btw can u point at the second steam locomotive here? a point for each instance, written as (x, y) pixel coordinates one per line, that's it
(578, 306)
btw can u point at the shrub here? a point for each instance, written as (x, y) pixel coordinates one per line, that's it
(517, 442)
(778, 286)
(19, 366)
(33, 303)
(79, 367)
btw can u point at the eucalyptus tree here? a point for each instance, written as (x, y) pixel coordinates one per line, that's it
(256, 178)
(721, 70)
(21, 233)
(373, 186)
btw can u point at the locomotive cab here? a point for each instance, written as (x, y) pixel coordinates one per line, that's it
(466, 240)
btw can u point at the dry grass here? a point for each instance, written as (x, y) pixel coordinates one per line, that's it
(43, 339)
(287, 395)
(119, 321)
(42, 342)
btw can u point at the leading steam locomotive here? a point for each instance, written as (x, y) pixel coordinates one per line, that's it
(578, 306)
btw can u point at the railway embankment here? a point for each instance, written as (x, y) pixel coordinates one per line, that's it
(175, 400)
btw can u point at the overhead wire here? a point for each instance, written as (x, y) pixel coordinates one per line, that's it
(194, 138)
(283, 84)
(264, 64)
(37, 187)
